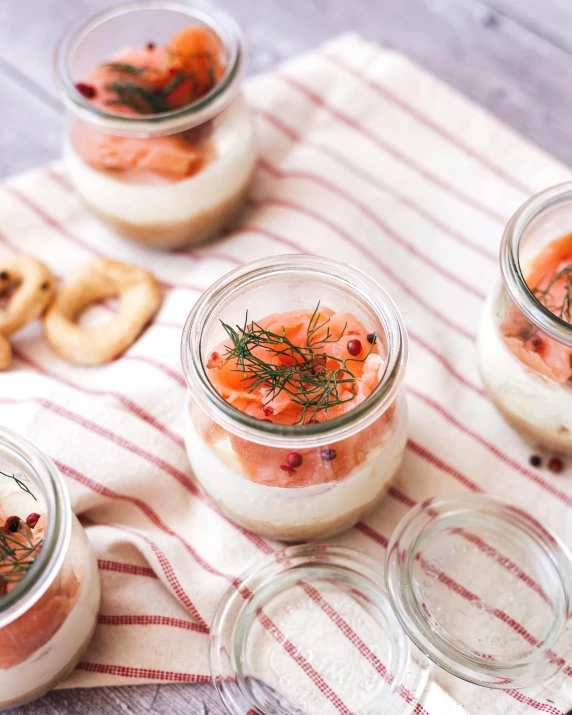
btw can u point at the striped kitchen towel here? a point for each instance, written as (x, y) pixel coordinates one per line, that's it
(365, 158)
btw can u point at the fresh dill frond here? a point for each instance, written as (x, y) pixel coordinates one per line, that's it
(563, 309)
(312, 376)
(20, 483)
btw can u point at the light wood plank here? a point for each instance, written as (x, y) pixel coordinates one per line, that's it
(136, 700)
(31, 130)
(551, 19)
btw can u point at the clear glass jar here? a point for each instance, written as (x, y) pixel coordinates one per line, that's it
(525, 350)
(237, 458)
(472, 586)
(48, 618)
(197, 159)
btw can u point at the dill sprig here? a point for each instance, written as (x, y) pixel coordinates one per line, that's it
(307, 376)
(543, 295)
(16, 555)
(143, 97)
(20, 484)
(125, 68)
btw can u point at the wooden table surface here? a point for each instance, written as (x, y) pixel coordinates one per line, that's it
(511, 56)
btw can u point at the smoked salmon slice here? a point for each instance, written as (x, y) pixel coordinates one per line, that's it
(549, 277)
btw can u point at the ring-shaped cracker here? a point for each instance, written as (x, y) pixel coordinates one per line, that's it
(34, 287)
(5, 353)
(102, 278)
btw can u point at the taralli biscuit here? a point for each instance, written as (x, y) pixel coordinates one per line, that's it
(139, 297)
(33, 287)
(5, 353)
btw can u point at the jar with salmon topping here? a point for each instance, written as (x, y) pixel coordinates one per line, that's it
(160, 144)
(525, 339)
(49, 580)
(296, 416)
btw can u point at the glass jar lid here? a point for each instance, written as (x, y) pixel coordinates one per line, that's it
(475, 585)
(483, 589)
(312, 631)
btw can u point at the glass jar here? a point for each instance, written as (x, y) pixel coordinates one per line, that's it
(48, 617)
(525, 350)
(239, 460)
(168, 179)
(472, 586)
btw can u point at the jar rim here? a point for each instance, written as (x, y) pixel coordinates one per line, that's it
(176, 120)
(317, 433)
(58, 532)
(511, 269)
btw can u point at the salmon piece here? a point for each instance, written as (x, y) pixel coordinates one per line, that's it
(27, 634)
(199, 51)
(556, 256)
(541, 354)
(269, 465)
(169, 157)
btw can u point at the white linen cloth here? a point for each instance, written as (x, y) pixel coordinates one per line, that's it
(364, 158)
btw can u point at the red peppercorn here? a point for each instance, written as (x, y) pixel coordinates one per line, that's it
(371, 338)
(87, 90)
(535, 460)
(287, 468)
(268, 410)
(150, 45)
(12, 523)
(354, 347)
(537, 343)
(555, 464)
(328, 454)
(294, 459)
(32, 519)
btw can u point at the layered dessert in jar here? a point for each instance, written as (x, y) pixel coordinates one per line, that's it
(296, 420)
(49, 581)
(525, 339)
(160, 143)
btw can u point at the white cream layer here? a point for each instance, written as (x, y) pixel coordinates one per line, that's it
(59, 654)
(180, 201)
(545, 405)
(297, 506)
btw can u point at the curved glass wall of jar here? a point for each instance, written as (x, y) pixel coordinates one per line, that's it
(168, 179)
(344, 464)
(49, 580)
(525, 339)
